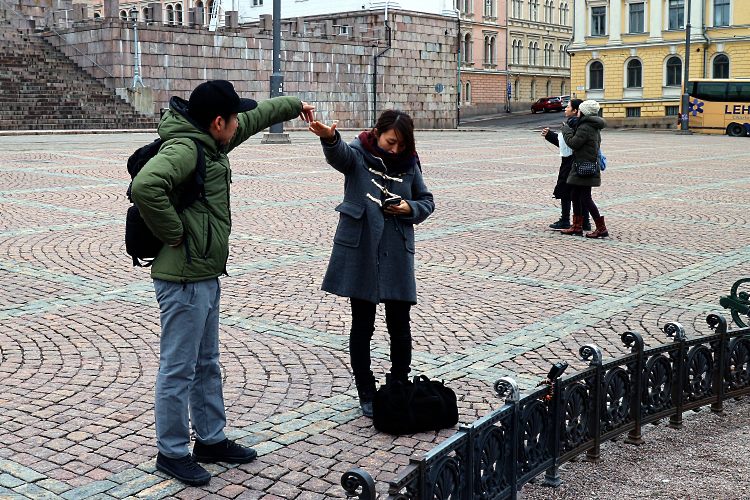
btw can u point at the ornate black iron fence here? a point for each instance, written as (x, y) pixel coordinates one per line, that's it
(496, 455)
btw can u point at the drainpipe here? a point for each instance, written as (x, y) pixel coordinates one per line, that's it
(458, 68)
(375, 68)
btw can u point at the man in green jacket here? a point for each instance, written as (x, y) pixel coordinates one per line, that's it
(186, 271)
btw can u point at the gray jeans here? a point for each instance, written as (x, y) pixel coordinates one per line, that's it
(189, 377)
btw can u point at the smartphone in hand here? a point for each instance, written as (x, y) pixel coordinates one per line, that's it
(393, 200)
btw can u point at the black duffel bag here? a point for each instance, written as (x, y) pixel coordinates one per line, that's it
(411, 407)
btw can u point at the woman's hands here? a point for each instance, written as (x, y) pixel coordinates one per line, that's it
(307, 112)
(402, 208)
(322, 130)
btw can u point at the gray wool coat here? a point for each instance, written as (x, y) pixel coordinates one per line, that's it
(584, 140)
(373, 253)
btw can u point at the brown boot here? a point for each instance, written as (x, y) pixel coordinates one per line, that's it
(601, 229)
(577, 228)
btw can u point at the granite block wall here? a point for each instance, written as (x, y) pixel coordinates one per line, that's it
(417, 74)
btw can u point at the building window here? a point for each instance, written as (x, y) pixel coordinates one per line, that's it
(518, 8)
(635, 74)
(533, 51)
(721, 66)
(257, 3)
(633, 112)
(721, 12)
(676, 14)
(123, 15)
(515, 55)
(636, 17)
(596, 76)
(598, 21)
(467, 48)
(467, 94)
(170, 14)
(563, 13)
(533, 9)
(178, 13)
(672, 111)
(674, 72)
(489, 50)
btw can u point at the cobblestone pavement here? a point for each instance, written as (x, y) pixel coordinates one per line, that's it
(500, 295)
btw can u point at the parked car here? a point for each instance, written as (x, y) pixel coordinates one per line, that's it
(564, 100)
(547, 104)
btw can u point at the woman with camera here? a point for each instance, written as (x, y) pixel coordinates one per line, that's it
(372, 260)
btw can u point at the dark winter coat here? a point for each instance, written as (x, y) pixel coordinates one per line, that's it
(373, 253)
(203, 227)
(584, 140)
(562, 188)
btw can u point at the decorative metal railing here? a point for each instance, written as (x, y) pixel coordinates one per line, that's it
(738, 303)
(496, 455)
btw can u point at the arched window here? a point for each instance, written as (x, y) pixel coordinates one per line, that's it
(492, 50)
(674, 71)
(533, 9)
(520, 52)
(97, 15)
(467, 94)
(635, 74)
(563, 13)
(562, 56)
(124, 15)
(170, 14)
(178, 13)
(531, 53)
(596, 75)
(209, 8)
(467, 48)
(721, 66)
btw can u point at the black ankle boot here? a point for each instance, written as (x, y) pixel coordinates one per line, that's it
(563, 223)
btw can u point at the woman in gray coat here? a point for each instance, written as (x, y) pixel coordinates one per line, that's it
(583, 134)
(373, 249)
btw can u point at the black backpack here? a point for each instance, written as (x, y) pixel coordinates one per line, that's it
(414, 406)
(140, 242)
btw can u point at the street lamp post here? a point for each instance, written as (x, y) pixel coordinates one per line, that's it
(276, 134)
(685, 97)
(137, 60)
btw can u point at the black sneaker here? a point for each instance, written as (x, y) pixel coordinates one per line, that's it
(184, 469)
(224, 451)
(366, 408)
(560, 225)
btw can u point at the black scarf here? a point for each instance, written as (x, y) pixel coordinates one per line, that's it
(396, 163)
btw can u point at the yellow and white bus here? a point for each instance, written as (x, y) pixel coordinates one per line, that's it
(719, 106)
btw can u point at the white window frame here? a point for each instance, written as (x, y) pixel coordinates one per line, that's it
(645, 17)
(590, 23)
(711, 19)
(594, 93)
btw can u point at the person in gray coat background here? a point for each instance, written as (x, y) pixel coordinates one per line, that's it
(372, 260)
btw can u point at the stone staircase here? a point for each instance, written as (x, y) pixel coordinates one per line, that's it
(41, 89)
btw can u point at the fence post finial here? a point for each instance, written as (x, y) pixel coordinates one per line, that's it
(358, 479)
(507, 388)
(674, 329)
(591, 351)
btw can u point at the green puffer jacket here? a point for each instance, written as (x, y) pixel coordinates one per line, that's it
(584, 140)
(204, 227)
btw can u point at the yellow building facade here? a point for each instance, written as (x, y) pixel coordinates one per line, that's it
(630, 54)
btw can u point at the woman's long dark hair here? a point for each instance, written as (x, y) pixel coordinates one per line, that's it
(402, 124)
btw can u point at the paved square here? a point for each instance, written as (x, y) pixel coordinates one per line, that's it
(500, 294)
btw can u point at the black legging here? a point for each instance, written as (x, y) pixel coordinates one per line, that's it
(363, 325)
(582, 202)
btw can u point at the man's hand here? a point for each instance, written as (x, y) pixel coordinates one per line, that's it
(307, 112)
(322, 130)
(545, 131)
(402, 208)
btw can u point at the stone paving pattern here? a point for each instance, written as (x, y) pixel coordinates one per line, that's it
(500, 295)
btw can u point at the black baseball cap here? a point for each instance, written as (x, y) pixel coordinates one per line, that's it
(216, 98)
